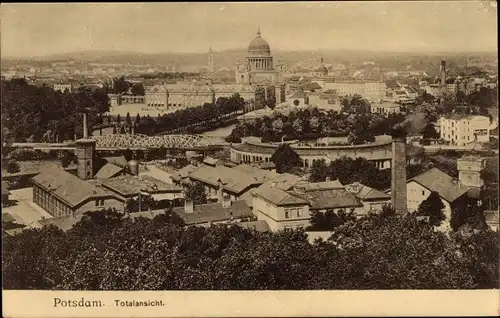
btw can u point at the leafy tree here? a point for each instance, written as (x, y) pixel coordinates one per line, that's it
(329, 220)
(128, 121)
(12, 166)
(144, 202)
(429, 132)
(138, 89)
(296, 102)
(196, 193)
(432, 207)
(285, 158)
(118, 119)
(137, 119)
(120, 85)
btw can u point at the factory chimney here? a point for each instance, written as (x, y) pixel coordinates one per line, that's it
(398, 170)
(443, 77)
(85, 152)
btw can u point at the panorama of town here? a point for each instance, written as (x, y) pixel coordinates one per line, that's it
(250, 169)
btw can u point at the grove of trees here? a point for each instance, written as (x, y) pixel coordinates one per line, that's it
(106, 251)
(34, 113)
(313, 123)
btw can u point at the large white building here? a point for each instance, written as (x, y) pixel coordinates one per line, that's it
(371, 90)
(464, 129)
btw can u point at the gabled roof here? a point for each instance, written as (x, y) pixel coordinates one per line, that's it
(68, 187)
(183, 172)
(120, 161)
(313, 85)
(279, 197)
(109, 170)
(214, 212)
(210, 161)
(448, 188)
(128, 185)
(366, 193)
(331, 199)
(324, 185)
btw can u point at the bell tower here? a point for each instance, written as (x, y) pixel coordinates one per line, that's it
(85, 153)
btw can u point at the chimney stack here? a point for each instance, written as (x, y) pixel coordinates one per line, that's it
(398, 170)
(85, 127)
(443, 76)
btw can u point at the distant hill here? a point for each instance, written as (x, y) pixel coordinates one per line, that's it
(228, 58)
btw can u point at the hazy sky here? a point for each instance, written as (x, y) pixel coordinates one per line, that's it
(42, 29)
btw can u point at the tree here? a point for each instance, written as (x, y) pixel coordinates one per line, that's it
(120, 85)
(196, 193)
(128, 120)
(285, 158)
(137, 119)
(329, 220)
(118, 119)
(138, 89)
(296, 102)
(432, 207)
(429, 132)
(12, 166)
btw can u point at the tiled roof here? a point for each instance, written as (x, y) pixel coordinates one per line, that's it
(448, 188)
(109, 170)
(183, 172)
(32, 167)
(278, 197)
(259, 226)
(68, 187)
(325, 185)
(210, 161)
(366, 193)
(129, 185)
(235, 179)
(120, 161)
(5, 188)
(331, 199)
(214, 212)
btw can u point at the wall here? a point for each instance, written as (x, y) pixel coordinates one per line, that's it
(375, 205)
(108, 203)
(275, 216)
(416, 193)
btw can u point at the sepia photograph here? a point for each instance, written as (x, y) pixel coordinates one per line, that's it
(258, 146)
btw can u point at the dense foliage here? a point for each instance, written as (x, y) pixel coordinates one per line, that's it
(285, 158)
(108, 252)
(313, 123)
(40, 113)
(191, 118)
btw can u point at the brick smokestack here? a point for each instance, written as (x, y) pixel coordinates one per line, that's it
(85, 127)
(398, 169)
(443, 76)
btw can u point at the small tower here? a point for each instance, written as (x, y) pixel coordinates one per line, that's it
(469, 170)
(85, 153)
(210, 60)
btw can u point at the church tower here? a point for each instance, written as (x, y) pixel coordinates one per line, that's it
(85, 153)
(210, 60)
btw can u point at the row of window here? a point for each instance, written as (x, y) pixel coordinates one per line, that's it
(49, 203)
(290, 213)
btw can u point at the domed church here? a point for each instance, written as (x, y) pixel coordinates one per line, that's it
(259, 67)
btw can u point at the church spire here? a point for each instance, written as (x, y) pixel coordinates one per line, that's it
(258, 30)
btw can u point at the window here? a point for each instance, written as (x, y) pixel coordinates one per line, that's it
(423, 192)
(99, 202)
(299, 213)
(287, 214)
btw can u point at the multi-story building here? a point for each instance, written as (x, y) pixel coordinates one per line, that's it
(463, 129)
(63, 87)
(372, 90)
(385, 108)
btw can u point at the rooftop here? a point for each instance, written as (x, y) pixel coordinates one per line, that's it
(363, 192)
(109, 170)
(128, 185)
(120, 161)
(448, 188)
(183, 172)
(259, 226)
(331, 199)
(68, 187)
(32, 167)
(279, 197)
(325, 185)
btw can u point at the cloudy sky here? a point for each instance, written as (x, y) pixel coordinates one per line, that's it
(43, 29)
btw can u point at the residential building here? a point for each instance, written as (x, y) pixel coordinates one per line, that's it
(385, 108)
(461, 129)
(372, 199)
(371, 90)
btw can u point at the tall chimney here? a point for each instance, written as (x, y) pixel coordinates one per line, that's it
(85, 127)
(398, 180)
(443, 76)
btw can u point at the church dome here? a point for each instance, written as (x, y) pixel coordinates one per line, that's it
(259, 46)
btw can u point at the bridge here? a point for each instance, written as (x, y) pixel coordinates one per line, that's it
(136, 142)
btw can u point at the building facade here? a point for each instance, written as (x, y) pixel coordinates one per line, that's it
(464, 129)
(371, 90)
